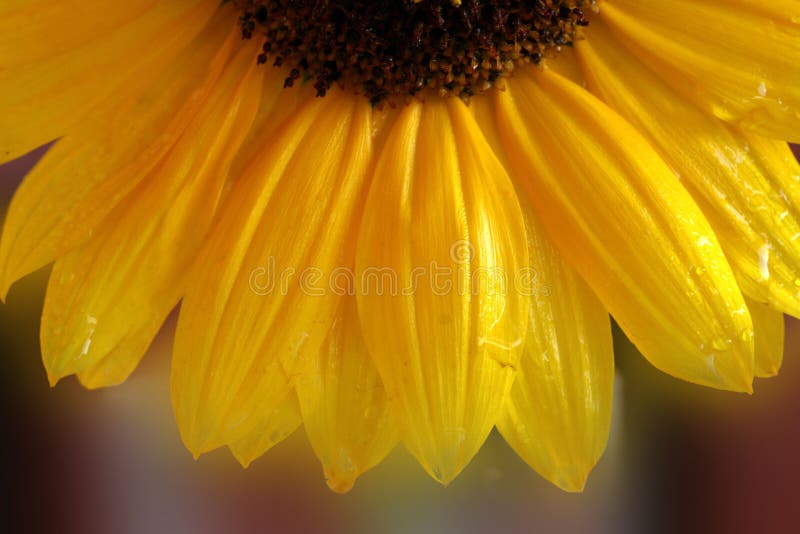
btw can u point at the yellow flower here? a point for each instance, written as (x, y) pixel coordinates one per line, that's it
(416, 225)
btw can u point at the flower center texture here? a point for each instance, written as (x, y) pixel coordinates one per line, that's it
(394, 50)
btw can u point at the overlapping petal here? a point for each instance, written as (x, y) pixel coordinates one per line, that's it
(269, 430)
(345, 407)
(87, 174)
(740, 66)
(558, 414)
(618, 215)
(250, 320)
(446, 345)
(768, 326)
(747, 187)
(107, 299)
(48, 85)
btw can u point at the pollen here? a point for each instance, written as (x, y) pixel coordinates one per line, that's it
(395, 50)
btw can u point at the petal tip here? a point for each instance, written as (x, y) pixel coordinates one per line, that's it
(737, 385)
(92, 380)
(196, 452)
(768, 372)
(444, 475)
(741, 384)
(54, 379)
(244, 460)
(9, 274)
(5, 286)
(571, 479)
(339, 481)
(734, 373)
(447, 457)
(195, 444)
(55, 370)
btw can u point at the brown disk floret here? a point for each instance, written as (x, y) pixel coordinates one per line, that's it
(395, 49)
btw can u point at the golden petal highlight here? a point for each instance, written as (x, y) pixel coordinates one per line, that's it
(107, 299)
(739, 65)
(446, 347)
(249, 322)
(345, 407)
(594, 180)
(747, 186)
(558, 415)
(51, 95)
(84, 176)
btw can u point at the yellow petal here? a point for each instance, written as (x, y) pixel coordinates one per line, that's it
(617, 214)
(738, 64)
(67, 26)
(442, 225)
(783, 11)
(558, 414)
(566, 65)
(344, 404)
(110, 296)
(248, 322)
(84, 176)
(768, 326)
(747, 187)
(268, 432)
(50, 96)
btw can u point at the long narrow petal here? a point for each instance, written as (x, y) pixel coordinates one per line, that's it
(558, 415)
(769, 331)
(739, 65)
(85, 175)
(617, 214)
(49, 95)
(110, 296)
(249, 320)
(344, 404)
(441, 229)
(747, 187)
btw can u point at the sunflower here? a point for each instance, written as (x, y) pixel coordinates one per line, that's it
(406, 221)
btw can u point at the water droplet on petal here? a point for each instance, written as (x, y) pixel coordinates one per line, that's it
(746, 336)
(763, 260)
(721, 344)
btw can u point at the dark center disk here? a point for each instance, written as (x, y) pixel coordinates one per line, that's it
(392, 50)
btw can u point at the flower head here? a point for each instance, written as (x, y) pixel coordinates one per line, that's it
(409, 220)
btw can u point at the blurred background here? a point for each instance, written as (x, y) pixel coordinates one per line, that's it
(681, 458)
